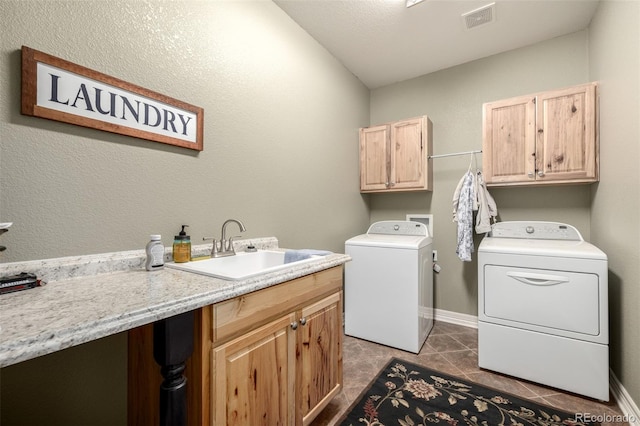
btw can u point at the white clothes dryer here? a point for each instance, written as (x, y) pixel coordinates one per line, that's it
(543, 307)
(388, 289)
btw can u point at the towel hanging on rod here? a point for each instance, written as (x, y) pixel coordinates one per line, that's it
(477, 151)
(473, 161)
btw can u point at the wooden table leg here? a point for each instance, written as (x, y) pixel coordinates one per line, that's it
(172, 346)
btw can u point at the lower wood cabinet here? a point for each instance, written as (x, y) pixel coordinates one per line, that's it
(319, 357)
(254, 377)
(271, 357)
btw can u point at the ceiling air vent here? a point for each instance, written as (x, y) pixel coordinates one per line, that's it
(481, 16)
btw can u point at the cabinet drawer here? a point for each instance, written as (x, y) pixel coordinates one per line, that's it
(235, 316)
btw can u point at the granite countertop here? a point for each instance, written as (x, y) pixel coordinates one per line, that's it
(89, 297)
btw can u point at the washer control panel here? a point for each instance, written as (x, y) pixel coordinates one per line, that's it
(399, 227)
(535, 230)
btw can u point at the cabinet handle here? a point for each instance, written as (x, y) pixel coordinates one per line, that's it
(294, 325)
(530, 175)
(386, 184)
(303, 321)
(541, 173)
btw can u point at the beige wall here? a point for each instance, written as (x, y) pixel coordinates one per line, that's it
(82, 386)
(614, 40)
(453, 99)
(281, 116)
(606, 213)
(280, 153)
(281, 119)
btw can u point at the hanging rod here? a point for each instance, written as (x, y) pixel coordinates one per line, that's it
(477, 151)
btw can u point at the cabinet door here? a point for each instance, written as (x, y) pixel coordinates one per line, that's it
(374, 158)
(508, 147)
(252, 377)
(319, 357)
(407, 154)
(566, 144)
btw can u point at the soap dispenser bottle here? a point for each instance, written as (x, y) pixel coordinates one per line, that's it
(182, 247)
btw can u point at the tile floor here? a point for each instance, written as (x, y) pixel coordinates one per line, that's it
(452, 349)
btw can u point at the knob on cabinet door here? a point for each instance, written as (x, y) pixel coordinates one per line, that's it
(294, 325)
(303, 321)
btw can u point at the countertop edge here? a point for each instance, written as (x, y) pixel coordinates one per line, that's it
(47, 341)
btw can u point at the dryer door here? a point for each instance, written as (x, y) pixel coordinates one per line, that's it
(556, 301)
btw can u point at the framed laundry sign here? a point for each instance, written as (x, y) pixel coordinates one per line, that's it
(57, 89)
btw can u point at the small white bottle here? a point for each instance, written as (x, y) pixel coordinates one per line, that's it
(155, 254)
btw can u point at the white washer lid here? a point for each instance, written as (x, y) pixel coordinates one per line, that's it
(391, 241)
(553, 248)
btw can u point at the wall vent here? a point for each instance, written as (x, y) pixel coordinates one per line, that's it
(481, 16)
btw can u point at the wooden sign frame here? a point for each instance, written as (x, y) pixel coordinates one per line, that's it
(60, 90)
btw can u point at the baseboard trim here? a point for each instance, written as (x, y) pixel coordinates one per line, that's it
(628, 407)
(465, 320)
(626, 404)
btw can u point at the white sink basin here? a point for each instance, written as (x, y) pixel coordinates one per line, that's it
(241, 266)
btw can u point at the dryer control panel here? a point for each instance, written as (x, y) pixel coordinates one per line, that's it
(535, 230)
(399, 227)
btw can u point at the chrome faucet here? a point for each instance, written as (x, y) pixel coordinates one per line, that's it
(224, 247)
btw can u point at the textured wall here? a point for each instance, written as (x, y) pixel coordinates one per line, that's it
(453, 99)
(280, 145)
(280, 153)
(614, 54)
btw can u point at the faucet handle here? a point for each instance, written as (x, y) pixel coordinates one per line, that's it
(214, 249)
(230, 243)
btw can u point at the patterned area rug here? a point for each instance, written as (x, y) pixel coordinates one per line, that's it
(406, 394)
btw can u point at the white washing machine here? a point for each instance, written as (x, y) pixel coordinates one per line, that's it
(388, 289)
(543, 307)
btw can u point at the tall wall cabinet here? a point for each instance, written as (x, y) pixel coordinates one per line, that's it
(271, 357)
(395, 156)
(545, 138)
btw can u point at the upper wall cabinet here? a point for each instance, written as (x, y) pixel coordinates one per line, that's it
(545, 138)
(395, 156)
